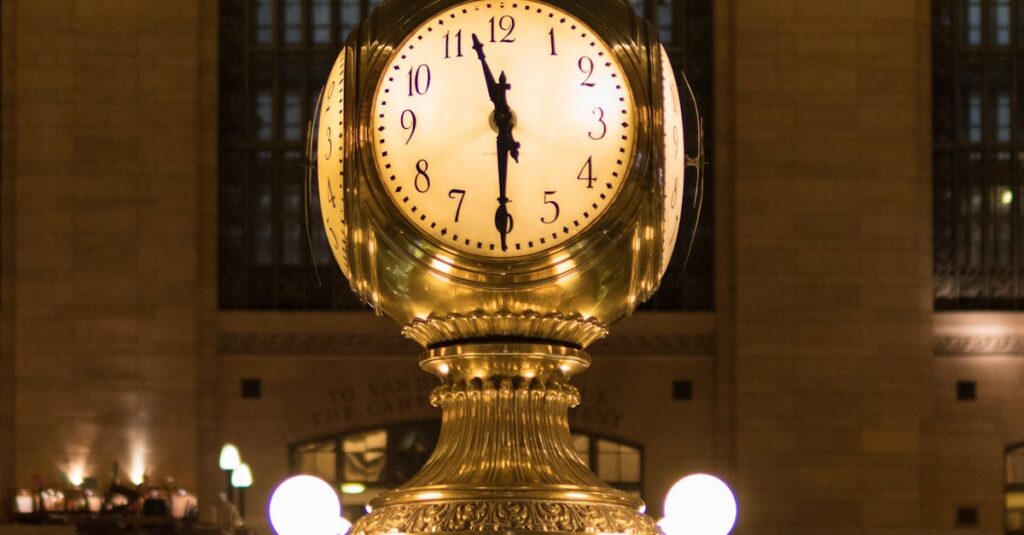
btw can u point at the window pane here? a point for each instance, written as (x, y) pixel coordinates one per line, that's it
(294, 248)
(665, 22)
(618, 463)
(1000, 90)
(291, 21)
(971, 23)
(365, 456)
(970, 104)
(291, 101)
(349, 17)
(413, 446)
(320, 20)
(318, 459)
(1001, 22)
(1015, 467)
(1015, 511)
(263, 102)
(263, 21)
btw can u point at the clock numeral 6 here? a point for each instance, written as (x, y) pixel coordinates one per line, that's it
(419, 80)
(422, 180)
(461, 193)
(408, 122)
(586, 66)
(506, 23)
(588, 170)
(554, 205)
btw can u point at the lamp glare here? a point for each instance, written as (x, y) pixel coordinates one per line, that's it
(229, 457)
(699, 504)
(305, 505)
(241, 478)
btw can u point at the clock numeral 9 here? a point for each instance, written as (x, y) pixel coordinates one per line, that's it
(506, 23)
(408, 122)
(599, 112)
(554, 205)
(447, 44)
(588, 170)
(422, 180)
(586, 66)
(419, 80)
(461, 193)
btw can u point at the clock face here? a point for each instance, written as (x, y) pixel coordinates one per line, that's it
(675, 160)
(331, 160)
(503, 129)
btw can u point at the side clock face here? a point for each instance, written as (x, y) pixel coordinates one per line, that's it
(675, 160)
(331, 162)
(503, 129)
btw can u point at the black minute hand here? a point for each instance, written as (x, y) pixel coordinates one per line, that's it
(506, 143)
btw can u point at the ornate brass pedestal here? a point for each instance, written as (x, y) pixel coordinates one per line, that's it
(505, 459)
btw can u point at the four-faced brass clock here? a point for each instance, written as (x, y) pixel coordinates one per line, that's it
(504, 179)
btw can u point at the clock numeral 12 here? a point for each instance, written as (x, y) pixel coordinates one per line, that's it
(588, 170)
(462, 196)
(458, 44)
(506, 23)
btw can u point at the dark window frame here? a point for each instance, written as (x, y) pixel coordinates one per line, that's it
(978, 172)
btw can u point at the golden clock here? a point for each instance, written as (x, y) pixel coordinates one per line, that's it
(504, 179)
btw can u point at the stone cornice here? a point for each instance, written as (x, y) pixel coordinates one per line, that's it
(354, 344)
(949, 345)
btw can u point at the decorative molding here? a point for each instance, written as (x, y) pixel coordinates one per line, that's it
(506, 517)
(979, 345)
(354, 344)
(345, 344)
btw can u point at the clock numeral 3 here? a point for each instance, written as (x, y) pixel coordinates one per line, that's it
(330, 144)
(506, 23)
(409, 124)
(599, 112)
(588, 170)
(554, 205)
(422, 180)
(419, 80)
(461, 193)
(447, 44)
(586, 66)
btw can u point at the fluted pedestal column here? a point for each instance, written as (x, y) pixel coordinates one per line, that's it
(505, 460)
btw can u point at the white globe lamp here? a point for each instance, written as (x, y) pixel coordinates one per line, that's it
(699, 504)
(305, 505)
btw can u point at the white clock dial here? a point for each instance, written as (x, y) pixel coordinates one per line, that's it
(331, 162)
(675, 160)
(442, 129)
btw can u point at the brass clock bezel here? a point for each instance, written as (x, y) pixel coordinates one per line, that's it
(373, 46)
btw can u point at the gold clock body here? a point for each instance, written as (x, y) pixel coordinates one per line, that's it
(503, 335)
(568, 293)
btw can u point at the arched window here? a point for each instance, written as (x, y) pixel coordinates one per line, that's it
(978, 122)
(1015, 490)
(363, 464)
(274, 57)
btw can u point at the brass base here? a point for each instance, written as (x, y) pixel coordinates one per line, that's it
(504, 460)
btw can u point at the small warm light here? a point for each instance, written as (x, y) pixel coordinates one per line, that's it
(565, 369)
(304, 505)
(444, 369)
(241, 478)
(1006, 197)
(229, 457)
(368, 508)
(137, 474)
(353, 488)
(699, 504)
(24, 502)
(643, 508)
(76, 476)
(430, 495)
(442, 264)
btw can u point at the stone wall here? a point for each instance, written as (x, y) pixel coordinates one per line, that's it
(829, 261)
(101, 233)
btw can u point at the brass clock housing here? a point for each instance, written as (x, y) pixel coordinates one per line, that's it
(566, 294)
